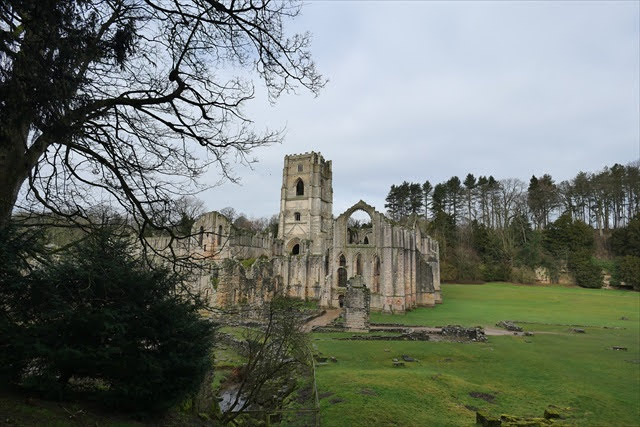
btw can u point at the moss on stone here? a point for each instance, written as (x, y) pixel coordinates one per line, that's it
(485, 420)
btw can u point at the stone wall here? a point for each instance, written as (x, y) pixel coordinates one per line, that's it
(356, 306)
(213, 236)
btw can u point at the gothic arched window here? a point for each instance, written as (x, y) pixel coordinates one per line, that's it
(299, 188)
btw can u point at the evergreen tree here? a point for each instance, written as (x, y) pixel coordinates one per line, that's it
(454, 191)
(469, 185)
(415, 199)
(98, 312)
(426, 192)
(542, 197)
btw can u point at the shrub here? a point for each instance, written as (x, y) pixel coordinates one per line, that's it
(626, 240)
(16, 248)
(586, 272)
(523, 275)
(498, 272)
(99, 313)
(627, 271)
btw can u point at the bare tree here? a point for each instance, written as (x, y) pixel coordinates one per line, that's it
(273, 353)
(230, 213)
(129, 101)
(510, 196)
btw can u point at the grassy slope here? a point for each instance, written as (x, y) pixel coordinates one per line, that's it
(559, 367)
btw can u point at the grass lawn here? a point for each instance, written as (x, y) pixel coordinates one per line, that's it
(515, 375)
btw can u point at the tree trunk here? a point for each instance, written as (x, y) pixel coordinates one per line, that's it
(13, 172)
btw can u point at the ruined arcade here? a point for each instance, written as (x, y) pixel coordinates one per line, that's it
(315, 254)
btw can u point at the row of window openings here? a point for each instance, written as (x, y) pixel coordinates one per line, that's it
(342, 271)
(295, 250)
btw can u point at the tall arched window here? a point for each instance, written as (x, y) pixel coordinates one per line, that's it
(376, 275)
(343, 261)
(342, 277)
(295, 250)
(201, 236)
(299, 188)
(326, 263)
(359, 265)
(219, 234)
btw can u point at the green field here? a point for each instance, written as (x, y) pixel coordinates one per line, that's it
(514, 375)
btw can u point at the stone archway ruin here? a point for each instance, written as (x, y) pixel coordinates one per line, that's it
(359, 226)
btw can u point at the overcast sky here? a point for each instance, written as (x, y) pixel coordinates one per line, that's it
(429, 90)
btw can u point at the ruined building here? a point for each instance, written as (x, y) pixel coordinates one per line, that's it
(314, 254)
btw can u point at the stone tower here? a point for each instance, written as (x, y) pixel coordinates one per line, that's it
(306, 203)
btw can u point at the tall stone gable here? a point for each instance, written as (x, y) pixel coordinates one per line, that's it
(306, 203)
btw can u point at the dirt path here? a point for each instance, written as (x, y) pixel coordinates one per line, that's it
(328, 317)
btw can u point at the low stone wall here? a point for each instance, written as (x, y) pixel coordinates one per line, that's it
(460, 332)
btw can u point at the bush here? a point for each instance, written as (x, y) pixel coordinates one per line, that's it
(626, 240)
(627, 271)
(466, 264)
(98, 313)
(15, 249)
(448, 272)
(586, 272)
(498, 272)
(565, 235)
(523, 274)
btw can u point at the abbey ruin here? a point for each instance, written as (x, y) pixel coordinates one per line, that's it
(314, 254)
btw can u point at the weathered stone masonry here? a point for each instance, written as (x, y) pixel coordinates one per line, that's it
(314, 254)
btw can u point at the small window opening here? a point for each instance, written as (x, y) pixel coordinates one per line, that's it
(201, 236)
(341, 300)
(295, 250)
(297, 216)
(300, 188)
(299, 168)
(343, 261)
(204, 247)
(366, 240)
(219, 234)
(359, 265)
